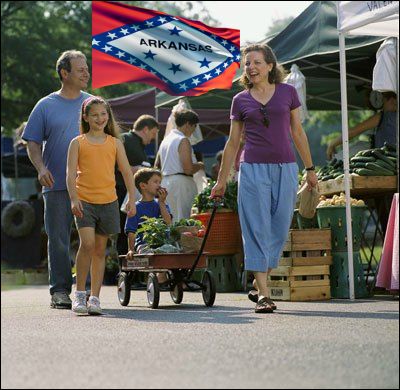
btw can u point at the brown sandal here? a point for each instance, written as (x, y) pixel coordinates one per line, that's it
(253, 296)
(263, 306)
(272, 303)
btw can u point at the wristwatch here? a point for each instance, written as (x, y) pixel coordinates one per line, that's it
(312, 168)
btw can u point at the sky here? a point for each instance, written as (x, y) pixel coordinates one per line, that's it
(253, 18)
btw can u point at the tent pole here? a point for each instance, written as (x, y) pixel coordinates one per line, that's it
(345, 139)
(337, 71)
(156, 140)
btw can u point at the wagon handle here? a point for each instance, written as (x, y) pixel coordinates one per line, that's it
(217, 202)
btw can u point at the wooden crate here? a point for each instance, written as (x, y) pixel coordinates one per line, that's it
(315, 293)
(303, 272)
(307, 247)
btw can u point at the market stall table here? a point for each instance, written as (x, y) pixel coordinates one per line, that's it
(360, 186)
(377, 188)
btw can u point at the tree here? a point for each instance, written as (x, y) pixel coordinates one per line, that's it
(35, 33)
(278, 26)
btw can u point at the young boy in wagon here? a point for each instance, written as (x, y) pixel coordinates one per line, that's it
(148, 183)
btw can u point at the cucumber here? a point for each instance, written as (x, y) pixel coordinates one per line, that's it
(390, 147)
(390, 154)
(378, 168)
(366, 172)
(366, 153)
(358, 165)
(381, 156)
(385, 165)
(327, 177)
(363, 159)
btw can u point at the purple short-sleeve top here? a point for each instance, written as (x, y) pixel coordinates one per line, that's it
(264, 144)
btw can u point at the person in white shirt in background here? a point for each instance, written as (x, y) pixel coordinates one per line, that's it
(178, 165)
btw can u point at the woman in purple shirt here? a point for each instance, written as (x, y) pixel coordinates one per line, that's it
(268, 111)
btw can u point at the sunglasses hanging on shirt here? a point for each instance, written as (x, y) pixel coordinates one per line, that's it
(263, 110)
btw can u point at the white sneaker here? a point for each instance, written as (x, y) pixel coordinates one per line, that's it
(79, 304)
(93, 306)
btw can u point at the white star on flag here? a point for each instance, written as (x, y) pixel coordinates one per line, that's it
(94, 42)
(196, 82)
(111, 35)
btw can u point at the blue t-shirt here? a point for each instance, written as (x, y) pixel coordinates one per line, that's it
(149, 209)
(54, 122)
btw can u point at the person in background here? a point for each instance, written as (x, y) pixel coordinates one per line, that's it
(51, 126)
(216, 167)
(268, 111)
(94, 200)
(384, 123)
(144, 131)
(178, 164)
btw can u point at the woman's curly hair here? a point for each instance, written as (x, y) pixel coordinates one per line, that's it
(277, 73)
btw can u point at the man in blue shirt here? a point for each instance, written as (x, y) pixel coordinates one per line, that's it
(51, 126)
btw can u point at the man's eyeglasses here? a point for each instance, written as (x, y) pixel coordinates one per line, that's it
(263, 110)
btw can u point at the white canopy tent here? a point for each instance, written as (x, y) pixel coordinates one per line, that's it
(361, 18)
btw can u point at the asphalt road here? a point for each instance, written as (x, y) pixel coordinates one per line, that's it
(333, 344)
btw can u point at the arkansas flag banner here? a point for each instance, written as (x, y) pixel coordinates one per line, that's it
(177, 55)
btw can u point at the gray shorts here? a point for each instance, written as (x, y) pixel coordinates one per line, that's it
(104, 218)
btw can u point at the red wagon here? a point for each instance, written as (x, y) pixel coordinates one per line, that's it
(179, 268)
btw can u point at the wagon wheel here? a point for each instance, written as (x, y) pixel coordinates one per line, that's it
(153, 291)
(177, 292)
(209, 289)
(124, 288)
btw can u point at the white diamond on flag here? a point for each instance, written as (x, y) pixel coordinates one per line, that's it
(181, 51)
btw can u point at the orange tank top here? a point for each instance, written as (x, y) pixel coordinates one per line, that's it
(95, 182)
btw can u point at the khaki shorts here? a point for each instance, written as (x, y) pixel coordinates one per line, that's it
(104, 218)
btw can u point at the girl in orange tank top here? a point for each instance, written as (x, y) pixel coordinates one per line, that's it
(91, 185)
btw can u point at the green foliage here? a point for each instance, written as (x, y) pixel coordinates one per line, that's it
(174, 232)
(187, 222)
(155, 232)
(203, 202)
(326, 139)
(35, 33)
(323, 126)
